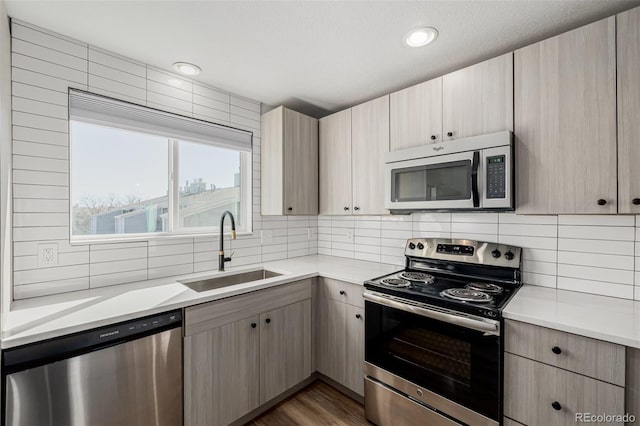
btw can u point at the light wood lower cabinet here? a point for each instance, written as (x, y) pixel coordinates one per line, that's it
(537, 394)
(242, 351)
(553, 377)
(340, 337)
(285, 348)
(222, 373)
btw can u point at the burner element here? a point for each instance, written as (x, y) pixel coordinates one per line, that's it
(418, 276)
(485, 287)
(395, 282)
(466, 295)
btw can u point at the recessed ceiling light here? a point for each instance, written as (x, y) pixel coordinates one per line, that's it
(187, 68)
(420, 36)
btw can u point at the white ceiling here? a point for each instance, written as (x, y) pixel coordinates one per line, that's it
(319, 56)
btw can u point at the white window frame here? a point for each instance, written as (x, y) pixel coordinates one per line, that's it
(174, 231)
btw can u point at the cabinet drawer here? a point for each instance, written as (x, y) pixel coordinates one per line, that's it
(532, 389)
(341, 291)
(591, 357)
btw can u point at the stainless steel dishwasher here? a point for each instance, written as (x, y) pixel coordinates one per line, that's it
(124, 374)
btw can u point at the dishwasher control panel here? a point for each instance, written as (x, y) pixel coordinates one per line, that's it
(90, 340)
(118, 331)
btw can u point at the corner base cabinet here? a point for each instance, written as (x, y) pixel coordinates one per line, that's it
(340, 333)
(243, 351)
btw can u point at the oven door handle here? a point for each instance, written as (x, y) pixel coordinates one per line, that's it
(474, 179)
(489, 327)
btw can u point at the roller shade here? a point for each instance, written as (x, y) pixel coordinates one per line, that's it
(97, 109)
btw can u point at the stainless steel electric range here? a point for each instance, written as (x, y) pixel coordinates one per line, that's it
(433, 344)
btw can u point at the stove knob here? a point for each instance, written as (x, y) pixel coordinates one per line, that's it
(509, 255)
(412, 246)
(420, 246)
(496, 253)
(491, 314)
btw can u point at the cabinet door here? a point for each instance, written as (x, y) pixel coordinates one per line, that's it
(221, 380)
(628, 26)
(369, 143)
(565, 122)
(416, 115)
(537, 394)
(285, 348)
(354, 344)
(271, 162)
(300, 163)
(478, 99)
(335, 163)
(330, 348)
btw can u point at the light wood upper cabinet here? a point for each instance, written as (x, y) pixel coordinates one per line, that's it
(416, 115)
(369, 143)
(289, 163)
(565, 122)
(628, 28)
(469, 102)
(285, 348)
(478, 99)
(335, 163)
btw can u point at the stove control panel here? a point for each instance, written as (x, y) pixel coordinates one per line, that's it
(455, 249)
(467, 251)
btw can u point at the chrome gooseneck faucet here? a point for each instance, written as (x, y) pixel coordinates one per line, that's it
(221, 258)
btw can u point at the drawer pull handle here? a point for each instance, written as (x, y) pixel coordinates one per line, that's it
(358, 316)
(556, 350)
(254, 325)
(268, 320)
(556, 405)
(342, 293)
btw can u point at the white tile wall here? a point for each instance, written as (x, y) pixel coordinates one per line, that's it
(44, 66)
(593, 254)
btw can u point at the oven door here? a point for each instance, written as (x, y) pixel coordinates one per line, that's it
(443, 182)
(457, 363)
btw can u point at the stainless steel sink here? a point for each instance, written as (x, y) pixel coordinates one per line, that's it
(231, 279)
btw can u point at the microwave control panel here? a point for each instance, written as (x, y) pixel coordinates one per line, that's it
(496, 176)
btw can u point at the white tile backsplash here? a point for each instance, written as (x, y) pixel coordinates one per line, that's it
(45, 65)
(594, 254)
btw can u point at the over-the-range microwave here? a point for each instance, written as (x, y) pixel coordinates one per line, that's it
(475, 173)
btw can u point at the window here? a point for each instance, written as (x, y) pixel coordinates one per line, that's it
(132, 177)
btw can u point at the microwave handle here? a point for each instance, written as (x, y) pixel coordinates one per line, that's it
(474, 179)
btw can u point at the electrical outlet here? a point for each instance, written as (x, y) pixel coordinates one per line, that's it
(48, 254)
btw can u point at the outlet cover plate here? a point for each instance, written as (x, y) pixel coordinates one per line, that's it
(48, 254)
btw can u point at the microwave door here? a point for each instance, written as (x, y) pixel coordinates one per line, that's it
(442, 182)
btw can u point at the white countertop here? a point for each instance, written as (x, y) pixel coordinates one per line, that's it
(42, 318)
(605, 318)
(599, 317)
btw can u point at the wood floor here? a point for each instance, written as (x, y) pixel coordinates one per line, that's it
(317, 404)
